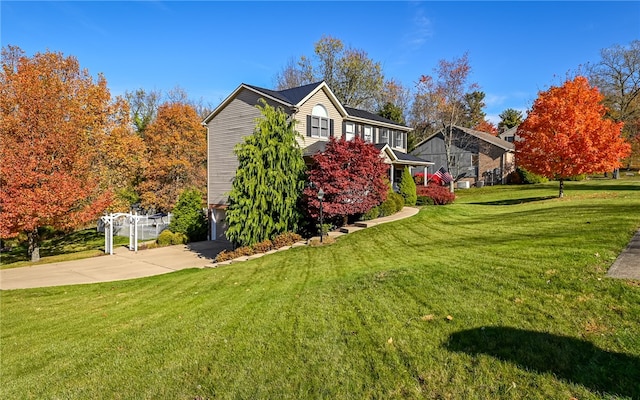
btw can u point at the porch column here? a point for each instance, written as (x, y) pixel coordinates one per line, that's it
(391, 175)
(214, 224)
(424, 181)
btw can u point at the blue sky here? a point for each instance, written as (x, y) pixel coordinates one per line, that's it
(209, 47)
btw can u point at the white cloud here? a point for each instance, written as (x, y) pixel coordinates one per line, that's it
(420, 29)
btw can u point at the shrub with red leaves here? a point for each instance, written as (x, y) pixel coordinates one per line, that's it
(439, 194)
(419, 178)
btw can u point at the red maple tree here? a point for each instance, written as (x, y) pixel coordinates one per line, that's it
(50, 111)
(566, 134)
(351, 174)
(487, 127)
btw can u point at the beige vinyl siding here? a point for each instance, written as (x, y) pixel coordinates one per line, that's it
(320, 97)
(225, 130)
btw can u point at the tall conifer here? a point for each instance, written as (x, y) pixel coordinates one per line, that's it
(268, 181)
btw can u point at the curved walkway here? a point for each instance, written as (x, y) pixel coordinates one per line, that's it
(125, 264)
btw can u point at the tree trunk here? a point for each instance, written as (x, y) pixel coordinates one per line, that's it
(34, 245)
(452, 186)
(561, 194)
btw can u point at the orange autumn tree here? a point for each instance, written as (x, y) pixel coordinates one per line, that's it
(566, 134)
(50, 110)
(177, 156)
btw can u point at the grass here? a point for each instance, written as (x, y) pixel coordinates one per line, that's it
(59, 247)
(501, 295)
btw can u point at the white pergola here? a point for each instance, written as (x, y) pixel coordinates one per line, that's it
(108, 220)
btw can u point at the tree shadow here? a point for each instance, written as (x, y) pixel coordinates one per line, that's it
(510, 202)
(209, 249)
(568, 358)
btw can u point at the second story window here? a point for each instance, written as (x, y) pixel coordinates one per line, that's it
(367, 134)
(384, 136)
(349, 131)
(399, 139)
(319, 122)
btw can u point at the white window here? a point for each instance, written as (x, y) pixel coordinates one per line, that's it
(319, 121)
(349, 131)
(367, 134)
(384, 136)
(399, 141)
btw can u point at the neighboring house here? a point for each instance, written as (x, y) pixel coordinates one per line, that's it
(320, 116)
(509, 135)
(477, 156)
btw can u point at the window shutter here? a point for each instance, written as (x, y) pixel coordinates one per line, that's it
(404, 140)
(344, 129)
(392, 138)
(308, 125)
(330, 128)
(373, 134)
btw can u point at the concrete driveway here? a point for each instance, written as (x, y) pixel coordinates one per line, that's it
(123, 264)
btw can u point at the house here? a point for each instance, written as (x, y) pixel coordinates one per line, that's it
(477, 156)
(320, 116)
(510, 135)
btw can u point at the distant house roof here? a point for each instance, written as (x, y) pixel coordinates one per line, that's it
(487, 137)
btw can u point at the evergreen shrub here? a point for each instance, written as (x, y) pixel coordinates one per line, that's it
(164, 238)
(407, 188)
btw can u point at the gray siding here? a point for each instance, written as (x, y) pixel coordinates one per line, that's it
(225, 130)
(434, 151)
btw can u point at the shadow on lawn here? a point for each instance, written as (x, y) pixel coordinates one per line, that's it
(568, 358)
(509, 202)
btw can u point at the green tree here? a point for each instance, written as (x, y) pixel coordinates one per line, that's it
(473, 105)
(268, 182)
(392, 112)
(188, 216)
(144, 108)
(509, 118)
(407, 188)
(354, 78)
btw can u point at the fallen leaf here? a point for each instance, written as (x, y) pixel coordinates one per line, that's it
(390, 341)
(449, 317)
(428, 317)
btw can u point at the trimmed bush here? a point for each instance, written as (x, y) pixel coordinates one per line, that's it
(179, 238)
(225, 255)
(407, 188)
(440, 195)
(371, 214)
(577, 178)
(164, 238)
(399, 201)
(392, 204)
(424, 201)
(244, 251)
(530, 177)
(263, 246)
(286, 239)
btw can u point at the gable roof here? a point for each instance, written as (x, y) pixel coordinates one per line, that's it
(292, 98)
(486, 137)
(295, 97)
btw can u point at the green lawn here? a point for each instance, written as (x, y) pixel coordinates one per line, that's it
(501, 295)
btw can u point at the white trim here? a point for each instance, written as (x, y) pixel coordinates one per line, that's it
(332, 97)
(229, 98)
